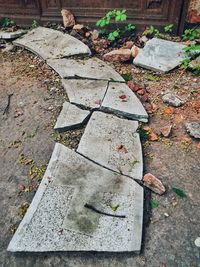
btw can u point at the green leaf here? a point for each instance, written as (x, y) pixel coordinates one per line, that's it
(114, 208)
(179, 192)
(127, 77)
(154, 203)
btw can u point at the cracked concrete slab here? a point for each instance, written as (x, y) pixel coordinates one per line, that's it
(58, 219)
(160, 55)
(11, 35)
(113, 143)
(120, 100)
(71, 117)
(86, 93)
(48, 44)
(92, 68)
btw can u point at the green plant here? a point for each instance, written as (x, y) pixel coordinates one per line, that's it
(191, 34)
(192, 53)
(114, 17)
(34, 24)
(152, 31)
(168, 28)
(6, 22)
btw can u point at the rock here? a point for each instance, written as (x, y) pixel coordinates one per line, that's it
(94, 35)
(134, 87)
(68, 18)
(160, 55)
(11, 35)
(128, 45)
(193, 128)
(51, 44)
(58, 220)
(113, 143)
(141, 92)
(120, 55)
(134, 51)
(197, 242)
(194, 63)
(143, 39)
(78, 27)
(8, 48)
(173, 100)
(154, 184)
(166, 130)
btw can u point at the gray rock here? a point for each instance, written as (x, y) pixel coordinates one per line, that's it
(193, 128)
(160, 55)
(71, 117)
(48, 43)
(57, 219)
(87, 93)
(11, 35)
(92, 68)
(113, 143)
(173, 100)
(120, 100)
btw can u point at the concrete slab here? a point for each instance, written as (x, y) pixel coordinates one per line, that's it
(86, 93)
(160, 55)
(71, 117)
(113, 143)
(48, 43)
(92, 68)
(120, 100)
(11, 35)
(58, 220)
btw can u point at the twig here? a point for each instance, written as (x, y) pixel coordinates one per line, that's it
(6, 110)
(88, 206)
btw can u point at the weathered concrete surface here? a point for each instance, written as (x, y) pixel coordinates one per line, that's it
(86, 93)
(58, 221)
(71, 117)
(113, 143)
(160, 55)
(48, 43)
(11, 35)
(92, 68)
(120, 100)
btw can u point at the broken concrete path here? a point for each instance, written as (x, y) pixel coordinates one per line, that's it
(120, 100)
(113, 143)
(11, 35)
(85, 93)
(48, 44)
(71, 117)
(92, 68)
(160, 55)
(58, 220)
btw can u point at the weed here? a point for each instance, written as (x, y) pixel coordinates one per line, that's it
(152, 32)
(152, 78)
(114, 17)
(127, 77)
(6, 22)
(34, 24)
(191, 34)
(168, 28)
(192, 53)
(22, 209)
(37, 172)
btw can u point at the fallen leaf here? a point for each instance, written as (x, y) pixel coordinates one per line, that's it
(122, 96)
(179, 192)
(119, 147)
(163, 265)
(153, 136)
(134, 87)
(168, 110)
(114, 208)
(198, 145)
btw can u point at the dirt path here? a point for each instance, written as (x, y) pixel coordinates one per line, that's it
(26, 143)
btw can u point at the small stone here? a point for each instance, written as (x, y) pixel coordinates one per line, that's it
(129, 45)
(8, 48)
(166, 214)
(193, 129)
(87, 34)
(194, 63)
(135, 51)
(94, 35)
(173, 100)
(68, 18)
(119, 55)
(78, 27)
(166, 130)
(197, 242)
(154, 184)
(143, 39)
(141, 92)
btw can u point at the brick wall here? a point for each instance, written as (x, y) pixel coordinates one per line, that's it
(194, 11)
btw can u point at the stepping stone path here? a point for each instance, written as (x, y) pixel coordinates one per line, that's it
(57, 219)
(71, 117)
(90, 199)
(48, 44)
(160, 55)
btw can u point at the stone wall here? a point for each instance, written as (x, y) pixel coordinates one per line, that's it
(194, 11)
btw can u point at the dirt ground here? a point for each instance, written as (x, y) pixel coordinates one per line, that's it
(27, 139)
